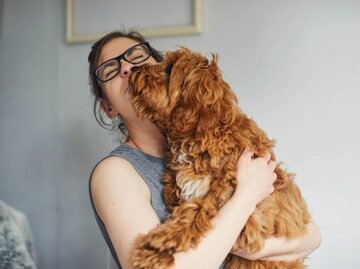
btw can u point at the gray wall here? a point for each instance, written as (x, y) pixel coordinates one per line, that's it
(293, 64)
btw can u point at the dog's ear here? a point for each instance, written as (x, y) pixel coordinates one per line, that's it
(217, 99)
(171, 57)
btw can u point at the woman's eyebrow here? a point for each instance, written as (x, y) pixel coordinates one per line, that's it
(133, 50)
(108, 63)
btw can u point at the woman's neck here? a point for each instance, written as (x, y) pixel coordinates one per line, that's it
(146, 137)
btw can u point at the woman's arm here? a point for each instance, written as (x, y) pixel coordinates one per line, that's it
(234, 214)
(122, 201)
(282, 249)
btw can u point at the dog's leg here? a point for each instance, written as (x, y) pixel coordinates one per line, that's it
(182, 231)
(293, 215)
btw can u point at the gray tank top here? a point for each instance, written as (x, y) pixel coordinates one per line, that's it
(151, 169)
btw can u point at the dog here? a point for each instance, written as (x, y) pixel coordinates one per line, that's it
(187, 98)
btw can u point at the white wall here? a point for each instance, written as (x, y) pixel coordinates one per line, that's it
(293, 64)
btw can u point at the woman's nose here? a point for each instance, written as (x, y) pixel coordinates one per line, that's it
(125, 70)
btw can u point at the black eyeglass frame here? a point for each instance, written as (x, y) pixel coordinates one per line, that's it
(122, 56)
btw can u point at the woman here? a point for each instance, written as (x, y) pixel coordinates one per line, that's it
(125, 187)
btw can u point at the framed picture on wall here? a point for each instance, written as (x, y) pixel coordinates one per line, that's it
(88, 20)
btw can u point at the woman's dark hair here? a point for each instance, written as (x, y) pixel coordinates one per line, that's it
(93, 63)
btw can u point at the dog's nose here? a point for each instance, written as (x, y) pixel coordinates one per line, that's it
(134, 68)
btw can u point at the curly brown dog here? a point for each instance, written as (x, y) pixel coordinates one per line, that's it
(195, 108)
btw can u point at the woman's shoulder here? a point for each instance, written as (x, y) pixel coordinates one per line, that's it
(114, 176)
(111, 162)
(110, 165)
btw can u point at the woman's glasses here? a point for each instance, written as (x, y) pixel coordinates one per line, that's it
(134, 55)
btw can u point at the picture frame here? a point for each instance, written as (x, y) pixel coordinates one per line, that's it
(195, 27)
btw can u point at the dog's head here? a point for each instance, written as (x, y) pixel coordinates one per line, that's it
(184, 92)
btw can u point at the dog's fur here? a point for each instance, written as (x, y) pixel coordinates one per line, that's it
(195, 108)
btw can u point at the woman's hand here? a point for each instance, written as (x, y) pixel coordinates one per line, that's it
(282, 249)
(255, 177)
(255, 181)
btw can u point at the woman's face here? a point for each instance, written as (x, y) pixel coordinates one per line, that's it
(115, 89)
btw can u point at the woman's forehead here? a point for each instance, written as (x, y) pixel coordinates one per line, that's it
(115, 47)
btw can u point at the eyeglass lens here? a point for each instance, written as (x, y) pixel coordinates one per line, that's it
(111, 68)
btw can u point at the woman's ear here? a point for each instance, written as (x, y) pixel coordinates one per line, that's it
(108, 109)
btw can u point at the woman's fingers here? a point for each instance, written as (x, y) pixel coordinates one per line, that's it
(274, 177)
(272, 165)
(247, 153)
(256, 176)
(267, 156)
(246, 156)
